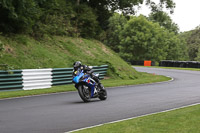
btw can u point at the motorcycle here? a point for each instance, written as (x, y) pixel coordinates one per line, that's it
(87, 87)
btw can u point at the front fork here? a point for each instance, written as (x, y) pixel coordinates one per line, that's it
(94, 89)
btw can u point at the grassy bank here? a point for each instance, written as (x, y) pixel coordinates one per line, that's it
(147, 78)
(185, 120)
(24, 52)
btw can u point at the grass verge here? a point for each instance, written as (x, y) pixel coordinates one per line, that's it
(185, 120)
(177, 68)
(144, 78)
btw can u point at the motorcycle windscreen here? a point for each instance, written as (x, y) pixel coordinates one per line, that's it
(77, 78)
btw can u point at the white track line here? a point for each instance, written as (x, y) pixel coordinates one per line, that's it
(132, 118)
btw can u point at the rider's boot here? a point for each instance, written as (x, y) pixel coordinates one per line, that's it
(98, 82)
(101, 86)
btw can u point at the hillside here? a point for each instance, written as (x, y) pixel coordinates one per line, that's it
(24, 52)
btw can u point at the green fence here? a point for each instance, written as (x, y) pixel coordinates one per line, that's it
(11, 79)
(28, 79)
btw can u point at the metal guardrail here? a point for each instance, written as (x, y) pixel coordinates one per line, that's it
(28, 79)
(184, 64)
(11, 79)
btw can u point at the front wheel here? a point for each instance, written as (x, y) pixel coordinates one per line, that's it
(84, 92)
(103, 94)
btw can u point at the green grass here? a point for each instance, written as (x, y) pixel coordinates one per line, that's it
(185, 120)
(145, 78)
(177, 68)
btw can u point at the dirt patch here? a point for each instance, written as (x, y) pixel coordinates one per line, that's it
(89, 53)
(105, 77)
(105, 50)
(9, 50)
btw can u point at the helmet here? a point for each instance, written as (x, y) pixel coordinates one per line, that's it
(77, 64)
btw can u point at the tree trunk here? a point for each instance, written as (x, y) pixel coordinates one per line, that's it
(78, 2)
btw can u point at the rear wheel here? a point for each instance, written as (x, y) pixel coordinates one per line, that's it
(84, 92)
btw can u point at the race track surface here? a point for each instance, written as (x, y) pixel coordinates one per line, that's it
(58, 113)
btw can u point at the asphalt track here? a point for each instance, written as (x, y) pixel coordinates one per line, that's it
(58, 113)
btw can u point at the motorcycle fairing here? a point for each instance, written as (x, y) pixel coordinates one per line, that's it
(77, 78)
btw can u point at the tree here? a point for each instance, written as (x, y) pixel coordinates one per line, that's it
(164, 20)
(55, 18)
(198, 55)
(86, 21)
(177, 48)
(144, 40)
(18, 15)
(105, 8)
(168, 4)
(192, 39)
(128, 6)
(116, 24)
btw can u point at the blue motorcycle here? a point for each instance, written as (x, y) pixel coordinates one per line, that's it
(87, 87)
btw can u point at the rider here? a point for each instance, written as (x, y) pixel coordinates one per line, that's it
(77, 65)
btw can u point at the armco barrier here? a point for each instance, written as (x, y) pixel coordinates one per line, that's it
(184, 64)
(11, 79)
(28, 79)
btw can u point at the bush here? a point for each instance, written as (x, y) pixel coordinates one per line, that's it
(18, 16)
(55, 19)
(86, 21)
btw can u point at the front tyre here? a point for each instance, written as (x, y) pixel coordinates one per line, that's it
(84, 92)
(103, 94)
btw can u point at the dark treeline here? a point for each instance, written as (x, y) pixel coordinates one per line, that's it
(39, 17)
(135, 38)
(85, 18)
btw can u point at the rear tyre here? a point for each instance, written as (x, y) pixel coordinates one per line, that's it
(84, 92)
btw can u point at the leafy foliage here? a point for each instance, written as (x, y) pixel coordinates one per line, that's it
(18, 15)
(85, 18)
(168, 4)
(177, 48)
(55, 18)
(198, 55)
(116, 25)
(86, 21)
(164, 20)
(192, 39)
(140, 39)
